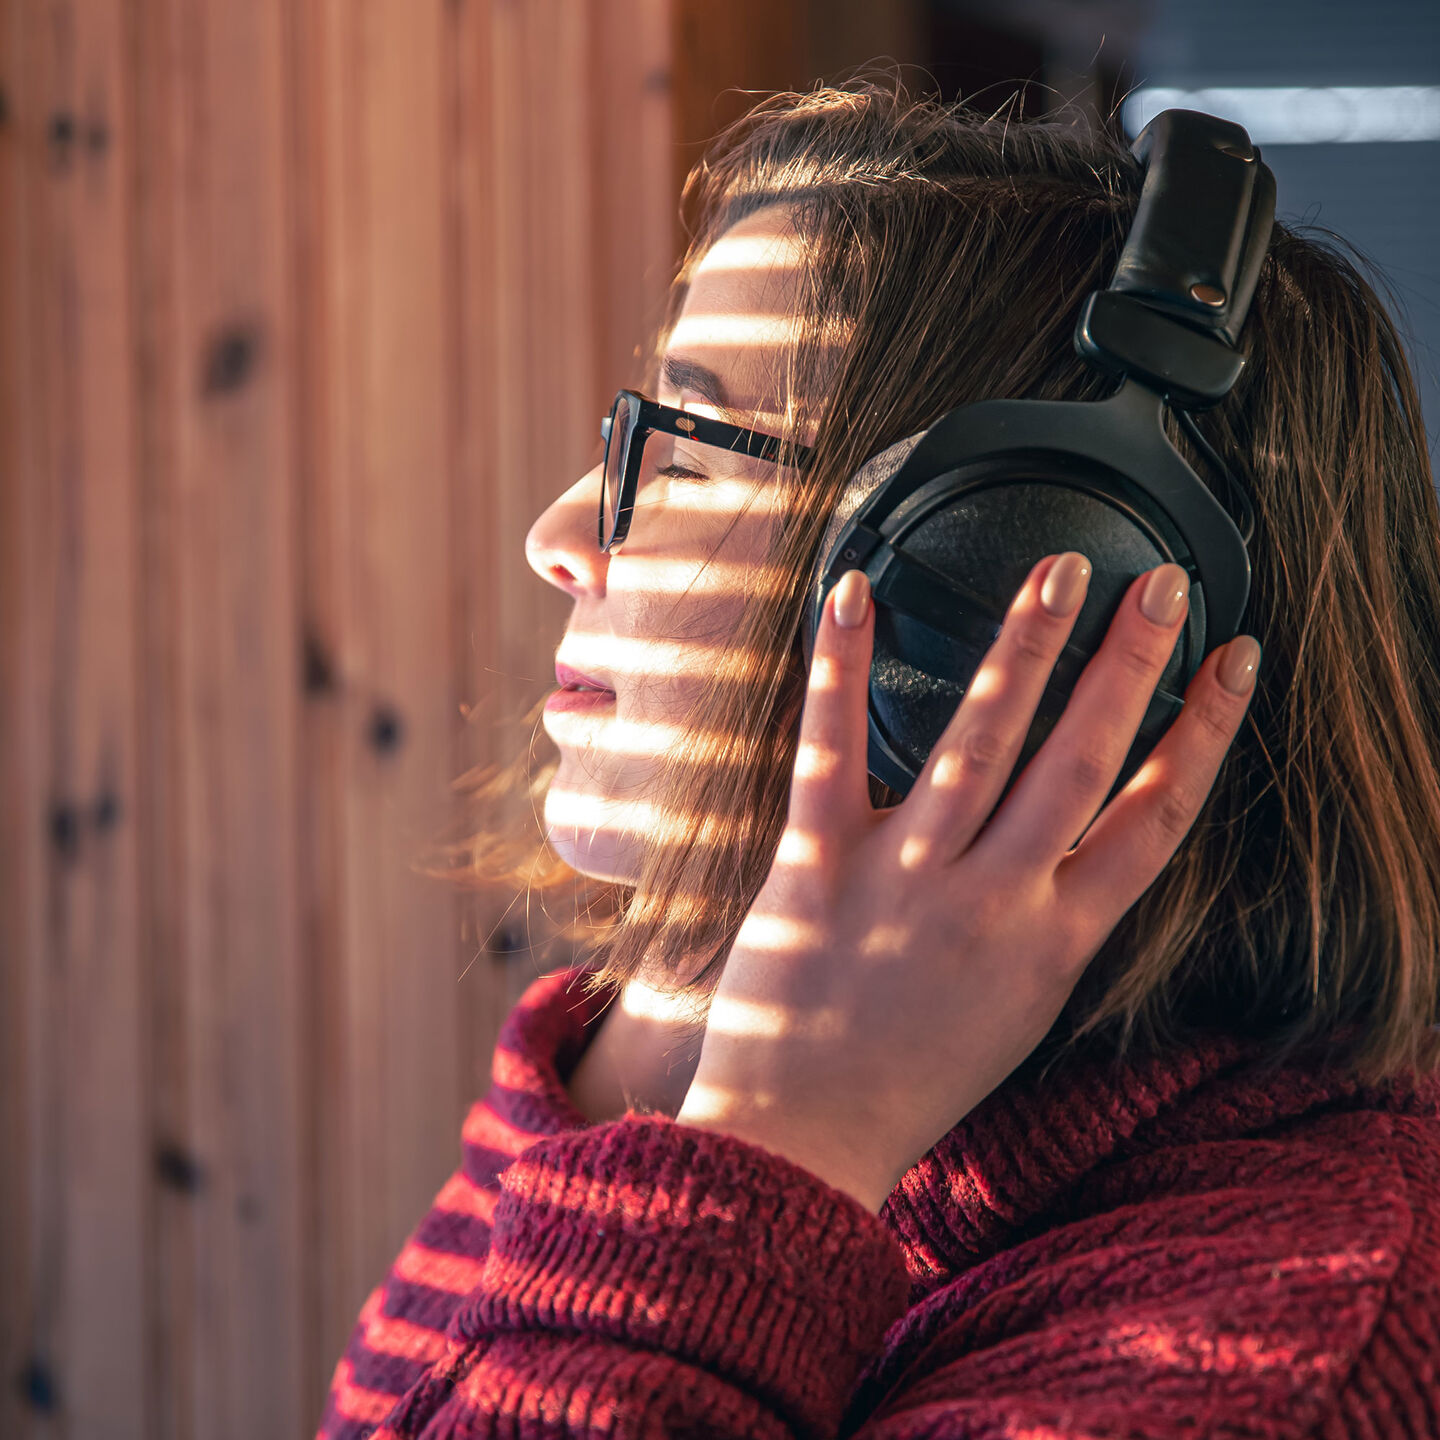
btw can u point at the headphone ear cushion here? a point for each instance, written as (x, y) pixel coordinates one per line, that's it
(858, 489)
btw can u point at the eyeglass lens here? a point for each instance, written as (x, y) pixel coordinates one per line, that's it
(617, 451)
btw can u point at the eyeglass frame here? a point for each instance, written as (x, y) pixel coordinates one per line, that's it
(652, 418)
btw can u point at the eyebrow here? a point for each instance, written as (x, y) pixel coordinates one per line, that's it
(685, 374)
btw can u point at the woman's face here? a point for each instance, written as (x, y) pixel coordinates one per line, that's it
(649, 619)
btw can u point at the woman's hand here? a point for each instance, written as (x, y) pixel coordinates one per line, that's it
(897, 965)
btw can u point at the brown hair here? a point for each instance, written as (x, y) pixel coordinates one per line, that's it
(1302, 906)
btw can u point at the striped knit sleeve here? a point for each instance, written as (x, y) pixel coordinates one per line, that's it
(400, 1336)
(400, 1333)
(646, 1277)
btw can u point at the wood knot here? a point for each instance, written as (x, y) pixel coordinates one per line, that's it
(37, 1385)
(387, 729)
(231, 359)
(178, 1169)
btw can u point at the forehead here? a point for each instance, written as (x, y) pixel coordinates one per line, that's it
(739, 312)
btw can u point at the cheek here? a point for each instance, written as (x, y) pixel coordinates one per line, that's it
(677, 648)
(673, 611)
(681, 605)
(713, 550)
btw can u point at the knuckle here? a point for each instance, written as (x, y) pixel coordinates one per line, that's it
(1217, 721)
(1033, 646)
(1091, 770)
(1138, 660)
(982, 750)
(1175, 809)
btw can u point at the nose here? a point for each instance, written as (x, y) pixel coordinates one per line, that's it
(563, 546)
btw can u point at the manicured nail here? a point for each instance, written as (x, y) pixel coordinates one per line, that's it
(1163, 599)
(1065, 585)
(1238, 663)
(852, 597)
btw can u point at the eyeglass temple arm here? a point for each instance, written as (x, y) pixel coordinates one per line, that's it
(725, 435)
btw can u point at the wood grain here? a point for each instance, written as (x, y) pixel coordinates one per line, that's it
(308, 311)
(74, 992)
(221, 714)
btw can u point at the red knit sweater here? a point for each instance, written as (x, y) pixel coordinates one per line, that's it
(1156, 1250)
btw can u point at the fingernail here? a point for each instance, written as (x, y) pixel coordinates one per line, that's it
(1065, 585)
(1238, 663)
(852, 598)
(1163, 599)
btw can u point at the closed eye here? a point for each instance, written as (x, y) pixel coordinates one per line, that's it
(679, 472)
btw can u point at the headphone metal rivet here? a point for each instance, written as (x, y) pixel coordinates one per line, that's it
(1208, 294)
(847, 554)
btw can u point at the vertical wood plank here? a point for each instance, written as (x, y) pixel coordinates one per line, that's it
(379, 619)
(544, 346)
(544, 302)
(180, 1168)
(400, 927)
(566, 243)
(635, 226)
(724, 51)
(490, 701)
(222, 629)
(21, 826)
(322, 157)
(74, 996)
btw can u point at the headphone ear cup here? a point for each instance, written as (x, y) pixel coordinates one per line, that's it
(990, 539)
(988, 536)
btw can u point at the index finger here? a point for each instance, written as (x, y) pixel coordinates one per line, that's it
(830, 783)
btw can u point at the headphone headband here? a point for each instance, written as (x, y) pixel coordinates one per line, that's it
(1185, 279)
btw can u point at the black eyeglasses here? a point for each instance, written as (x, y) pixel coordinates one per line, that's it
(631, 421)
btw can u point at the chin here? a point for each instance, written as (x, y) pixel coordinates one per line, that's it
(591, 847)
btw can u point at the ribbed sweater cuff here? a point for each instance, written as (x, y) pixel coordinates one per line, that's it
(706, 1248)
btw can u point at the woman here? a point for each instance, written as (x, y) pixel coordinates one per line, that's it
(915, 1118)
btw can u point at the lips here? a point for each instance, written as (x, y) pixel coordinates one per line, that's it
(570, 679)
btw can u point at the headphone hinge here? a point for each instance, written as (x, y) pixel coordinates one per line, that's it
(1123, 335)
(861, 542)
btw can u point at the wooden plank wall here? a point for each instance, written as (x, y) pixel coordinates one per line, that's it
(306, 310)
(73, 1094)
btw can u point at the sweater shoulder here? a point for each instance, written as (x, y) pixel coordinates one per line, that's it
(1276, 1274)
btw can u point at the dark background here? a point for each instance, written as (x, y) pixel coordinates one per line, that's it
(1380, 196)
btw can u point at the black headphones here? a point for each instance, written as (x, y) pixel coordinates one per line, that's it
(948, 523)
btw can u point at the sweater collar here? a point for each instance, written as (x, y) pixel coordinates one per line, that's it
(1010, 1167)
(1000, 1169)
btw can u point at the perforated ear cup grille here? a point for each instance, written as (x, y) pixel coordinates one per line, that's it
(989, 539)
